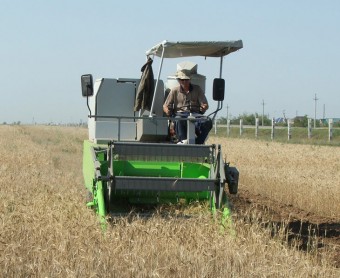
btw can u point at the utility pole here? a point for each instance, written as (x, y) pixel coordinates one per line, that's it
(284, 115)
(324, 112)
(263, 112)
(315, 99)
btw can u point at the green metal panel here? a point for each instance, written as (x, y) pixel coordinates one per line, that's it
(196, 170)
(95, 156)
(88, 162)
(147, 169)
(88, 165)
(161, 169)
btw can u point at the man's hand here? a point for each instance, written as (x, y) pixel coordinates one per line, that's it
(167, 111)
(203, 108)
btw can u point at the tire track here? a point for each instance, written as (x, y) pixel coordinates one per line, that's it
(307, 231)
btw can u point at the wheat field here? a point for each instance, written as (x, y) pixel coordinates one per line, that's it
(47, 231)
(305, 176)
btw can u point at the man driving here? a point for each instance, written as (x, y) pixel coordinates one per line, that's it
(184, 99)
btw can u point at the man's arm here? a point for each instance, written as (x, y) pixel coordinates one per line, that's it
(203, 102)
(168, 104)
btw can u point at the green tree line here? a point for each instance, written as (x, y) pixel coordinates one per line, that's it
(249, 119)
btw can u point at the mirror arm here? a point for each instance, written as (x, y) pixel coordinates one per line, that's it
(219, 107)
(88, 106)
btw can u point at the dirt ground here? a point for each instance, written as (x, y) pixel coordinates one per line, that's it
(302, 226)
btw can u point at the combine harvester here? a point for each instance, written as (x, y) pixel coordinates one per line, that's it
(129, 157)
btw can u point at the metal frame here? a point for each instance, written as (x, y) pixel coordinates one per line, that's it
(104, 182)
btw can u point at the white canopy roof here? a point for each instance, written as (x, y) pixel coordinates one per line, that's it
(195, 48)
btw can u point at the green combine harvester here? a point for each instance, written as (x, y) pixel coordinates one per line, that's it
(129, 157)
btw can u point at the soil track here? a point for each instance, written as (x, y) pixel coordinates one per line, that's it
(308, 229)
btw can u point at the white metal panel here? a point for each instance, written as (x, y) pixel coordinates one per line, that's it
(195, 48)
(113, 98)
(116, 98)
(109, 130)
(151, 128)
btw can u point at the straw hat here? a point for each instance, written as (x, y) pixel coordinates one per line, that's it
(183, 74)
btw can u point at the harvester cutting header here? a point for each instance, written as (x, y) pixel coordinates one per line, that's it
(146, 140)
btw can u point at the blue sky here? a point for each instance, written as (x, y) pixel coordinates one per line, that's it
(291, 52)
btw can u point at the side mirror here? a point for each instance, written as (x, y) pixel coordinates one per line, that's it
(218, 89)
(87, 85)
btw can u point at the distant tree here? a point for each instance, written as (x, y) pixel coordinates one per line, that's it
(248, 119)
(317, 123)
(281, 124)
(222, 121)
(301, 121)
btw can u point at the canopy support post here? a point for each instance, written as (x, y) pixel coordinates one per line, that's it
(158, 76)
(219, 103)
(221, 66)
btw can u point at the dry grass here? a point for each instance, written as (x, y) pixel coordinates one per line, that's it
(47, 231)
(305, 176)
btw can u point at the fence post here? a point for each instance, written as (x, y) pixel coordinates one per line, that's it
(330, 129)
(273, 125)
(289, 130)
(241, 127)
(215, 124)
(309, 128)
(228, 127)
(256, 127)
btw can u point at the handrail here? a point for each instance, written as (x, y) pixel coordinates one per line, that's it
(147, 118)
